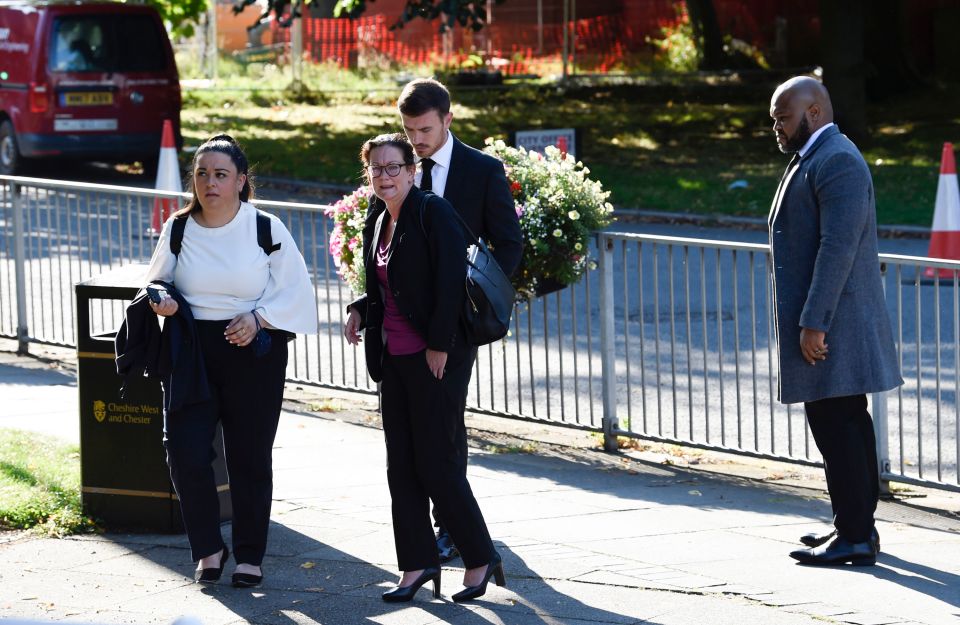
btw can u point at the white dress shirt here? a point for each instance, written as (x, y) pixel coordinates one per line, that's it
(806, 146)
(441, 168)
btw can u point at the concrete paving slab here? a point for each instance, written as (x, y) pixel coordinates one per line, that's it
(586, 538)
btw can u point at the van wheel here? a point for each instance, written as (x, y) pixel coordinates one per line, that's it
(9, 153)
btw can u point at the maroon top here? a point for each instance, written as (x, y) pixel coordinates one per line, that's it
(402, 337)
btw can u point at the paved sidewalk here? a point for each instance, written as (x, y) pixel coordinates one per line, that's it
(586, 537)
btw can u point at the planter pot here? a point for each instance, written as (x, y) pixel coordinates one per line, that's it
(547, 286)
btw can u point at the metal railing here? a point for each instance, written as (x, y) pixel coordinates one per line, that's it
(671, 339)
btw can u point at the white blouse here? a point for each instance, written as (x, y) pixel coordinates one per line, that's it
(222, 272)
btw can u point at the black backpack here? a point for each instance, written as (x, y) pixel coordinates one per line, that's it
(264, 236)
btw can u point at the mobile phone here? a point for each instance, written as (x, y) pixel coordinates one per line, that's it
(154, 294)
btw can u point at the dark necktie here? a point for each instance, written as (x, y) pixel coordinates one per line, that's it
(426, 181)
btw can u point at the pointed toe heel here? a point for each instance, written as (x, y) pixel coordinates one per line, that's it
(246, 580)
(406, 593)
(494, 570)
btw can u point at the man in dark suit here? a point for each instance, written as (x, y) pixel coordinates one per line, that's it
(835, 340)
(476, 185)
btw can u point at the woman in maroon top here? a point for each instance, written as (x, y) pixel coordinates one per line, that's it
(415, 257)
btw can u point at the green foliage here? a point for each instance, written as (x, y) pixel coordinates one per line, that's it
(674, 146)
(40, 484)
(677, 49)
(467, 13)
(180, 16)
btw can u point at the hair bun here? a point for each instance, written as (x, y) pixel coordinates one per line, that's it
(222, 137)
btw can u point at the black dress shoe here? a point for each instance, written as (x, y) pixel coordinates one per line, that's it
(246, 580)
(839, 551)
(814, 539)
(445, 547)
(209, 576)
(495, 570)
(406, 593)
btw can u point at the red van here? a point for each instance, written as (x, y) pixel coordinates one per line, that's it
(92, 81)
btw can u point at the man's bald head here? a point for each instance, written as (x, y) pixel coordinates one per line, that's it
(799, 107)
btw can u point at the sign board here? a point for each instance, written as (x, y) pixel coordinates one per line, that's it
(537, 140)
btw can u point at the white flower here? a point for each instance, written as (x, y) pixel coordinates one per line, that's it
(574, 215)
(558, 233)
(578, 246)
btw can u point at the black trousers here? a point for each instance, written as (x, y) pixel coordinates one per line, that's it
(247, 393)
(461, 441)
(843, 431)
(427, 460)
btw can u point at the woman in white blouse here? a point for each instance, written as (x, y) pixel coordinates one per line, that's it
(233, 288)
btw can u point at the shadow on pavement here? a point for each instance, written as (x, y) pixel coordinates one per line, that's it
(936, 583)
(39, 376)
(336, 587)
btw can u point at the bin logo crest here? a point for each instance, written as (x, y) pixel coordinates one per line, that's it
(99, 410)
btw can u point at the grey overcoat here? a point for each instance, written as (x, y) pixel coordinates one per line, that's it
(823, 244)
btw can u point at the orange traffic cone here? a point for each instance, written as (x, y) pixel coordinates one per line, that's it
(168, 179)
(945, 233)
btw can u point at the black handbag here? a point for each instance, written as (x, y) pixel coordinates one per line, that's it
(488, 303)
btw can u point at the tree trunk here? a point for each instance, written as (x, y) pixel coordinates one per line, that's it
(706, 29)
(842, 41)
(890, 68)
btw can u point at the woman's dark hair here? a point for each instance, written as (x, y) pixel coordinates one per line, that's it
(225, 144)
(395, 139)
(423, 95)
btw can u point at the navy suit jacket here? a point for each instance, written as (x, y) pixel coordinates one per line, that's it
(477, 187)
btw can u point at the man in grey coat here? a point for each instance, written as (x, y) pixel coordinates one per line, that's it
(834, 336)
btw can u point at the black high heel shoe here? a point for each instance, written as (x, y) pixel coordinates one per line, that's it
(246, 580)
(208, 576)
(495, 570)
(406, 593)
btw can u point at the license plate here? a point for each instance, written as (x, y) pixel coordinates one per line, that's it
(73, 125)
(86, 98)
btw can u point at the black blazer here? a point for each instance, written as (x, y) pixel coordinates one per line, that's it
(172, 355)
(477, 187)
(426, 269)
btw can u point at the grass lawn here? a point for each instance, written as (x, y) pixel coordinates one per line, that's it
(39, 484)
(655, 147)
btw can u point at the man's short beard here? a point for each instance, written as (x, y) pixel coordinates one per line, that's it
(799, 139)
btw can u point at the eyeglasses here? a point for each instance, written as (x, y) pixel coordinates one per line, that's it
(393, 169)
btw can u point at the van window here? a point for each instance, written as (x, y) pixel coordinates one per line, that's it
(79, 44)
(140, 44)
(107, 43)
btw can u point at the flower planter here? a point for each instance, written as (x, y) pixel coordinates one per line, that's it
(545, 286)
(559, 208)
